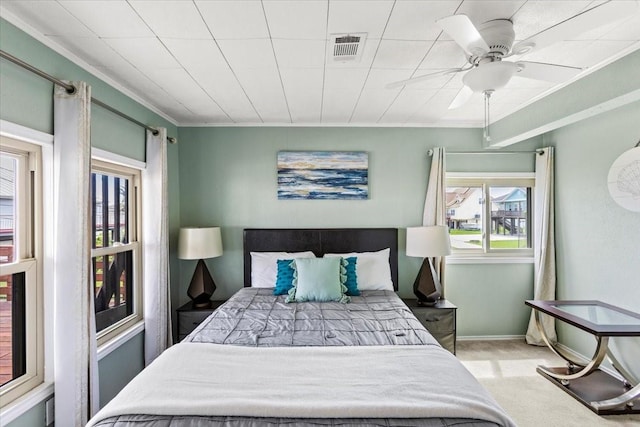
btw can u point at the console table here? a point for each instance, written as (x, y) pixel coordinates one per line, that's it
(599, 391)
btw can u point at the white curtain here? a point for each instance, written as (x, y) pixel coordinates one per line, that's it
(75, 357)
(544, 245)
(155, 249)
(435, 202)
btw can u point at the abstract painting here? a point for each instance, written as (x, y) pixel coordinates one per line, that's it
(323, 175)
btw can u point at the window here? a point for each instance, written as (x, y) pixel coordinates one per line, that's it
(115, 248)
(490, 215)
(21, 325)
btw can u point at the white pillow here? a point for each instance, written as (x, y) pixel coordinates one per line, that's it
(373, 270)
(264, 266)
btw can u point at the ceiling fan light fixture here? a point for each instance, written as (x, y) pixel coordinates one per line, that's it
(490, 76)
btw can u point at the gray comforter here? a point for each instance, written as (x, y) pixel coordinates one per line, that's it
(253, 317)
(181, 421)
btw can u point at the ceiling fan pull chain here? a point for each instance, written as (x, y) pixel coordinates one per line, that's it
(487, 96)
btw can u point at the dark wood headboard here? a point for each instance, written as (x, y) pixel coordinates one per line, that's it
(321, 241)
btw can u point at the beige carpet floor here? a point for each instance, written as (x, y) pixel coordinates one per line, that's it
(508, 370)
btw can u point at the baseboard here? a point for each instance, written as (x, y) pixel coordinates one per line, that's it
(581, 357)
(490, 337)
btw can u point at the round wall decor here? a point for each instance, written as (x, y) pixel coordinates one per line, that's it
(624, 179)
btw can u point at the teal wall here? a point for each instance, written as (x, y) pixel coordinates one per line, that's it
(490, 298)
(228, 178)
(34, 417)
(26, 99)
(118, 368)
(598, 242)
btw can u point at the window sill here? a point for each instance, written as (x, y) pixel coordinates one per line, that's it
(108, 347)
(489, 260)
(26, 402)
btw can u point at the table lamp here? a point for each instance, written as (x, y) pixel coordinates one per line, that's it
(428, 242)
(200, 243)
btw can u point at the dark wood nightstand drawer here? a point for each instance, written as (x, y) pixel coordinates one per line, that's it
(447, 340)
(435, 320)
(439, 320)
(189, 317)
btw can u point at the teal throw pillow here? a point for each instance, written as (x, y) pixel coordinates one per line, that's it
(319, 279)
(284, 277)
(352, 277)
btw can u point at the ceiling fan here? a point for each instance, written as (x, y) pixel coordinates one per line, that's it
(487, 45)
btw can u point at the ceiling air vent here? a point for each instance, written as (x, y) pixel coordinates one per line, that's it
(347, 47)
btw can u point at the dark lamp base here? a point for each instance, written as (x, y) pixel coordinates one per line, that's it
(427, 303)
(201, 287)
(427, 287)
(202, 304)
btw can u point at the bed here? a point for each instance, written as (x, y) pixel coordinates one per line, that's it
(260, 360)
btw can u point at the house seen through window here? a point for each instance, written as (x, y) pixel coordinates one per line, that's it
(490, 216)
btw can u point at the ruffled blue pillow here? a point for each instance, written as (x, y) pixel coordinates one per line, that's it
(319, 279)
(352, 277)
(284, 277)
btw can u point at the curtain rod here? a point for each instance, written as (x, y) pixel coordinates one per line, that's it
(71, 89)
(539, 151)
(153, 130)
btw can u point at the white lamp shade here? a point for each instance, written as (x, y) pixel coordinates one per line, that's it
(199, 243)
(428, 241)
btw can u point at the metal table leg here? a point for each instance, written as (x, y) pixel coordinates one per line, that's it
(628, 377)
(557, 350)
(625, 398)
(598, 357)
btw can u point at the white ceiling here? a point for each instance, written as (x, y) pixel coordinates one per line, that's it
(252, 62)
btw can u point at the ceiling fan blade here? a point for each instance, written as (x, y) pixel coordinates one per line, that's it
(424, 77)
(461, 98)
(463, 32)
(548, 72)
(605, 13)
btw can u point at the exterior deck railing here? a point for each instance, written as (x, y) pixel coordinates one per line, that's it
(508, 214)
(6, 344)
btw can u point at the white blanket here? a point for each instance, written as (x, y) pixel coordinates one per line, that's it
(315, 382)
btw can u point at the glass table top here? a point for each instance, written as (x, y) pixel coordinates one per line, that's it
(595, 317)
(598, 315)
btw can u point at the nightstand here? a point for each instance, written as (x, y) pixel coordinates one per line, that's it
(190, 317)
(439, 319)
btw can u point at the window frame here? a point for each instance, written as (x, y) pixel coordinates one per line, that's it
(485, 181)
(123, 326)
(28, 259)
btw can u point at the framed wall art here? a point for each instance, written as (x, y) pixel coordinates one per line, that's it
(326, 175)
